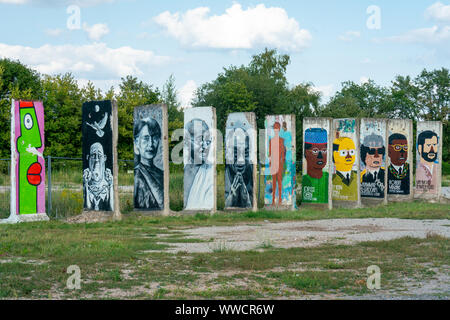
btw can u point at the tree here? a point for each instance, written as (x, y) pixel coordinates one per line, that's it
(260, 87)
(367, 100)
(176, 116)
(62, 107)
(17, 82)
(404, 94)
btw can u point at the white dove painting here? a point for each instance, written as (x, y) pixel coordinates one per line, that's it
(98, 127)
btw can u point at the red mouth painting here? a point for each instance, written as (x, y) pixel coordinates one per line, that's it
(34, 174)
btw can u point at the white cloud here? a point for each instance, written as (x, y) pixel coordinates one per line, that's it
(81, 3)
(363, 80)
(350, 36)
(97, 31)
(53, 32)
(186, 93)
(14, 1)
(366, 61)
(437, 34)
(433, 35)
(438, 12)
(327, 91)
(95, 61)
(236, 29)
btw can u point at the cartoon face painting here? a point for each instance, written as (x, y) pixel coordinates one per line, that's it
(30, 171)
(398, 171)
(427, 168)
(373, 174)
(345, 184)
(344, 154)
(315, 181)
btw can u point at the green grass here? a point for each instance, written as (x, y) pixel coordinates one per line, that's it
(128, 257)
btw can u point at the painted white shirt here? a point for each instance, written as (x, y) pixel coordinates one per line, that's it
(399, 167)
(201, 194)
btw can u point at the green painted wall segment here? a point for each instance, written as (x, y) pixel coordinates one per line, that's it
(29, 173)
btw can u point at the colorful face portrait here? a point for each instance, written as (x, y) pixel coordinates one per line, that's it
(398, 149)
(315, 181)
(372, 151)
(30, 163)
(427, 146)
(316, 151)
(344, 154)
(428, 168)
(398, 171)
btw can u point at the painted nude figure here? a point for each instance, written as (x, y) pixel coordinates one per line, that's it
(277, 157)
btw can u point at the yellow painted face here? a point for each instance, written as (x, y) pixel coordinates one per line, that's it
(345, 157)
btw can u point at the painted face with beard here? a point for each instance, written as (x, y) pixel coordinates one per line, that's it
(429, 150)
(97, 160)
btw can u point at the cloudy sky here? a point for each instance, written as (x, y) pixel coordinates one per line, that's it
(329, 41)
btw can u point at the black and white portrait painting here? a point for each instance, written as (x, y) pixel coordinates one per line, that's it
(148, 162)
(240, 157)
(97, 156)
(198, 154)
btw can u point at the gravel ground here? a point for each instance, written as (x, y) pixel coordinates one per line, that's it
(307, 233)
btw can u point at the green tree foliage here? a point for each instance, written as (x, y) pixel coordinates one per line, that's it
(260, 87)
(16, 82)
(176, 116)
(62, 107)
(426, 97)
(367, 100)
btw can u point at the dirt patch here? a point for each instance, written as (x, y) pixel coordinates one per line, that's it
(91, 217)
(306, 234)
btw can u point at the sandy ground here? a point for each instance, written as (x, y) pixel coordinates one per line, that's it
(307, 233)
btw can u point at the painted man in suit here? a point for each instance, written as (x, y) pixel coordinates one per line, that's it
(398, 171)
(345, 184)
(372, 177)
(426, 173)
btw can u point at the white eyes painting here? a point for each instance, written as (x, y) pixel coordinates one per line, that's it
(28, 121)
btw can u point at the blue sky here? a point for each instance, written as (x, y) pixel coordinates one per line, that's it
(329, 41)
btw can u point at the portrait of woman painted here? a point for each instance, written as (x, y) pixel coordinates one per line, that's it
(148, 178)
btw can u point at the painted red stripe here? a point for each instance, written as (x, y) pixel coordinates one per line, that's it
(26, 104)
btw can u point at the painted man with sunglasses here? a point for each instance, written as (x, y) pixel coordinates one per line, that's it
(372, 177)
(398, 171)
